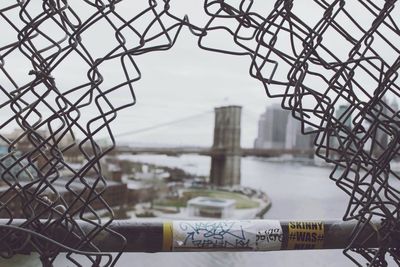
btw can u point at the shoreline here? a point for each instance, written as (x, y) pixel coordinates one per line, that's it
(162, 205)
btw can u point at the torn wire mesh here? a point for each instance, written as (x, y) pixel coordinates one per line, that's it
(336, 71)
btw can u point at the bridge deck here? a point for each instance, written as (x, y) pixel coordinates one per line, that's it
(244, 152)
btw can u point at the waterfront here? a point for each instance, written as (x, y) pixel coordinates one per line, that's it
(297, 191)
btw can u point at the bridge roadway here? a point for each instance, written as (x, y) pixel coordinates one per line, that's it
(207, 151)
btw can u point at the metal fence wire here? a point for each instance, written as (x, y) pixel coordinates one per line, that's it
(334, 64)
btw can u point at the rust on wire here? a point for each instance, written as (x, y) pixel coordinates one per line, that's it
(334, 68)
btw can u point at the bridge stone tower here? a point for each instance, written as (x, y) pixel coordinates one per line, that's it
(226, 151)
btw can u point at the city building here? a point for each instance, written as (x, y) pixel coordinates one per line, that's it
(272, 128)
(338, 140)
(295, 139)
(277, 129)
(343, 114)
(74, 194)
(293, 127)
(383, 113)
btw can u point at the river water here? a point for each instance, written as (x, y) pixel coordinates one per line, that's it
(297, 191)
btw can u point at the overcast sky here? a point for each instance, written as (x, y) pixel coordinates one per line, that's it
(187, 80)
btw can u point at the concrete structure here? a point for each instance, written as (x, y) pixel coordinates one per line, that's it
(272, 128)
(226, 159)
(211, 207)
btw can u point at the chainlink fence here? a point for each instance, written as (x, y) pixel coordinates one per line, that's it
(334, 64)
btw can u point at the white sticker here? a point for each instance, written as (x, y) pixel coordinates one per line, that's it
(235, 235)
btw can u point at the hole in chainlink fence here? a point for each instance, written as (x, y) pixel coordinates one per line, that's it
(64, 66)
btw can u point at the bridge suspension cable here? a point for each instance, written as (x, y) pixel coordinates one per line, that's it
(145, 129)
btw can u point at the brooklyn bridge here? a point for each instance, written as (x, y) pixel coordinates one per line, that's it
(226, 151)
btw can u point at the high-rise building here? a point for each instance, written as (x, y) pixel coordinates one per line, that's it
(295, 139)
(292, 130)
(305, 142)
(277, 129)
(343, 115)
(272, 128)
(381, 136)
(384, 136)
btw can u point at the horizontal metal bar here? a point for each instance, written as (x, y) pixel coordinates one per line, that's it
(216, 235)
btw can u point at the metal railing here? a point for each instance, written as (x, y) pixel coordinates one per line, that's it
(201, 236)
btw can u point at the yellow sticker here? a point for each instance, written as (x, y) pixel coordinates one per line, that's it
(167, 236)
(306, 235)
